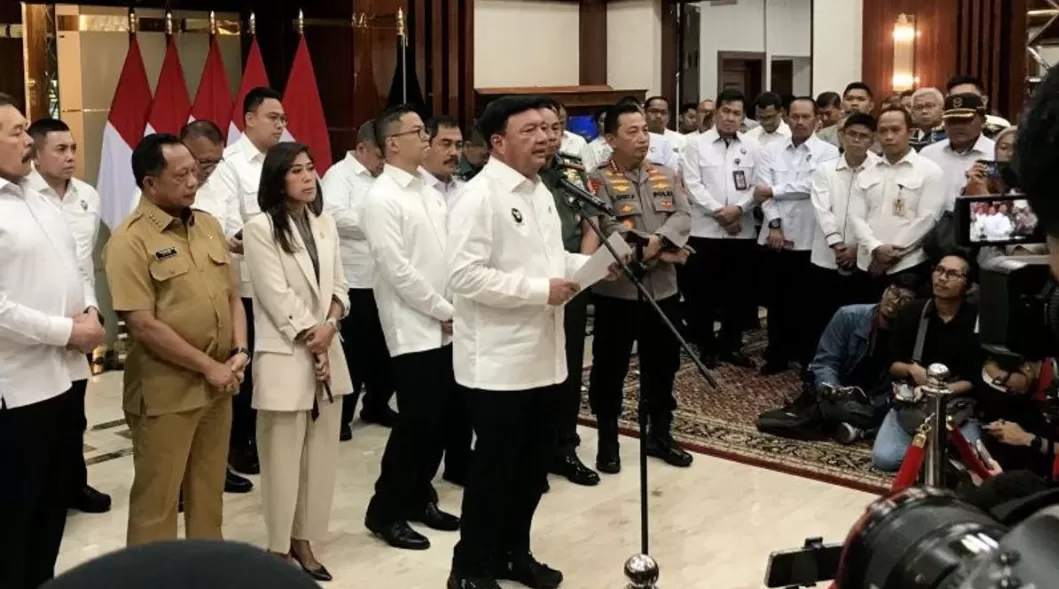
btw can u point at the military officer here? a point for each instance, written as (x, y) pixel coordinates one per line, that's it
(650, 203)
(577, 238)
(171, 279)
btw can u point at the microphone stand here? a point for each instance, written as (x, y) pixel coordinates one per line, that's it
(640, 569)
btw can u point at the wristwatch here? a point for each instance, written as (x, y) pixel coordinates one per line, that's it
(775, 223)
(1037, 444)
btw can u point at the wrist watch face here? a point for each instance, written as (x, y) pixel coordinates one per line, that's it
(774, 224)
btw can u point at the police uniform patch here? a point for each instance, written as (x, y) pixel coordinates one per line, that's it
(594, 184)
(166, 253)
(626, 209)
(517, 216)
(84, 205)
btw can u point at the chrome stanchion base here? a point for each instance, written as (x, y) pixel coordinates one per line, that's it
(642, 572)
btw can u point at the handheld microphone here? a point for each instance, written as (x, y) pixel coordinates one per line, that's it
(583, 196)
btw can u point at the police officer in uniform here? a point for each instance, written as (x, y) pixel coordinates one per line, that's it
(577, 238)
(171, 279)
(649, 202)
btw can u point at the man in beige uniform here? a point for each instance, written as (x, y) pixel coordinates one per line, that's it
(650, 202)
(171, 280)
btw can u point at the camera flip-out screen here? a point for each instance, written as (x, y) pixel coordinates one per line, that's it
(996, 220)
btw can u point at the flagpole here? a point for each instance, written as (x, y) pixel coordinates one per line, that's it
(404, 55)
(168, 25)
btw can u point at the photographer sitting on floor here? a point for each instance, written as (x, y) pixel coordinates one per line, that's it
(1011, 405)
(847, 387)
(936, 330)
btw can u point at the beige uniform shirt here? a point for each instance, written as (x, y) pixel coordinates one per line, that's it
(649, 201)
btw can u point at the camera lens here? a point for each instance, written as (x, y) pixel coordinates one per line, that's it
(919, 537)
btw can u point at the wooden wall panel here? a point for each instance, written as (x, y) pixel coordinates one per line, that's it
(592, 43)
(992, 46)
(444, 40)
(936, 44)
(12, 70)
(671, 54)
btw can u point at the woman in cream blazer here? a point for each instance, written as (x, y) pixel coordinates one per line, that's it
(300, 372)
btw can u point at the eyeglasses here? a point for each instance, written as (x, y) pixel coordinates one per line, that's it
(949, 273)
(858, 137)
(899, 295)
(418, 130)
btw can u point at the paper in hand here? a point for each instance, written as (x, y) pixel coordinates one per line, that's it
(598, 266)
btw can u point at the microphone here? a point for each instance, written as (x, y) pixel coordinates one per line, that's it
(583, 196)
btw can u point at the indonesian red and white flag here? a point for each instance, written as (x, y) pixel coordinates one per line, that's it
(254, 76)
(171, 107)
(305, 112)
(123, 131)
(213, 99)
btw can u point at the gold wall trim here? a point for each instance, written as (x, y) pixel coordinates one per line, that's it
(85, 110)
(102, 23)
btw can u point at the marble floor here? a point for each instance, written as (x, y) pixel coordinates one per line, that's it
(712, 525)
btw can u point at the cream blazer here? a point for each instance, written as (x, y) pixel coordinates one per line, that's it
(288, 300)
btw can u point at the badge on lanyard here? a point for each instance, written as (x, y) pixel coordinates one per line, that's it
(899, 206)
(739, 177)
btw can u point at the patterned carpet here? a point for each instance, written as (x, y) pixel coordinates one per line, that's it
(720, 422)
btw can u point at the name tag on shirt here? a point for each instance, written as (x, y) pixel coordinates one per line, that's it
(164, 254)
(739, 177)
(899, 207)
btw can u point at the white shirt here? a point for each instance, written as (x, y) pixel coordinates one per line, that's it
(345, 186)
(449, 190)
(235, 183)
(596, 153)
(662, 152)
(832, 185)
(758, 134)
(955, 165)
(206, 200)
(80, 208)
(404, 221)
(572, 143)
(505, 245)
(788, 170)
(997, 227)
(897, 204)
(711, 168)
(41, 290)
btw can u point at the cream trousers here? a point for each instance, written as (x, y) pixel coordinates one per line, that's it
(299, 459)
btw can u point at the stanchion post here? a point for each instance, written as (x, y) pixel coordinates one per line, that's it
(938, 392)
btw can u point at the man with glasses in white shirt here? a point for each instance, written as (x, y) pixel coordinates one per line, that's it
(783, 175)
(344, 187)
(49, 321)
(894, 204)
(834, 252)
(405, 223)
(54, 161)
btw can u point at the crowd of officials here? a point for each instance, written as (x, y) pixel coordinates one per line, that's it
(263, 301)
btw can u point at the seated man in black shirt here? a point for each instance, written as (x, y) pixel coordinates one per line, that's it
(1011, 405)
(847, 388)
(950, 339)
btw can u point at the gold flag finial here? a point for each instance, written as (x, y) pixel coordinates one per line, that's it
(213, 23)
(253, 24)
(301, 22)
(168, 23)
(400, 23)
(132, 21)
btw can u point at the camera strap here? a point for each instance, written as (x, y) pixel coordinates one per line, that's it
(921, 333)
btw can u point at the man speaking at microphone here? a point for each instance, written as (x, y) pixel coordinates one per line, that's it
(510, 278)
(650, 204)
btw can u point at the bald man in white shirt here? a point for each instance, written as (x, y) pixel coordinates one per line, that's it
(49, 321)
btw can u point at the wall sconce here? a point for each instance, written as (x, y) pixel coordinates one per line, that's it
(905, 53)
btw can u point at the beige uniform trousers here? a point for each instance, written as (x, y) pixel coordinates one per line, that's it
(189, 448)
(299, 458)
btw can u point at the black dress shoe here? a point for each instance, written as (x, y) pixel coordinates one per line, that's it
(460, 582)
(571, 467)
(710, 361)
(737, 359)
(607, 459)
(527, 570)
(772, 368)
(385, 417)
(319, 574)
(244, 460)
(346, 433)
(234, 483)
(398, 534)
(666, 448)
(89, 500)
(435, 519)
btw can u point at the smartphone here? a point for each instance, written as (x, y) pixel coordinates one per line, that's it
(803, 567)
(992, 169)
(983, 453)
(996, 220)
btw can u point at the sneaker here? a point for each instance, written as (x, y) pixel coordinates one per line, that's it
(847, 434)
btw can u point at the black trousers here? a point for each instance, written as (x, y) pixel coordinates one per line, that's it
(718, 285)
(619, 323)
(789, 303)
(516, 439)
(244, 417)
(36, 443)
(575, 319)
(79, 472)
(426, 388)
(458, 436)
(366, 355)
